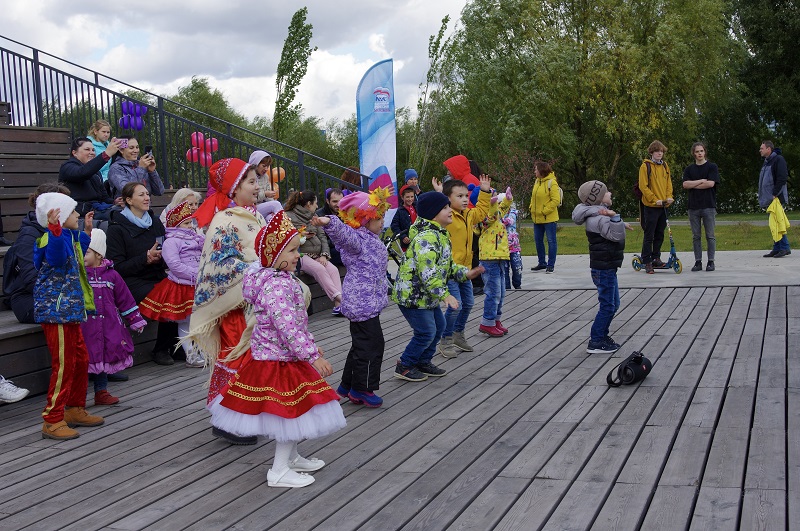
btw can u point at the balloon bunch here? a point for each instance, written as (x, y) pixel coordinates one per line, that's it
(202, 149)
(132, 116)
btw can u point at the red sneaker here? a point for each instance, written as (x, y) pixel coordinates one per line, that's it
(491, 331)
(104, 398)
(499, 326)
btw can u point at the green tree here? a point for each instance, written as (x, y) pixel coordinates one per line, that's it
(292, 69)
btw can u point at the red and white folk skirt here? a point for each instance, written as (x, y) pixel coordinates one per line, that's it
(168, 301)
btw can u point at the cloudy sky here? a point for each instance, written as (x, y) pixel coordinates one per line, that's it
(159, 45)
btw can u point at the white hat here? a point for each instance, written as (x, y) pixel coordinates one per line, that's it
(98, 243)
(47, 202)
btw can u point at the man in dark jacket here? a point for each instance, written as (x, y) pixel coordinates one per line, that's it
(772, 185)
(331, 208)
(81, 174)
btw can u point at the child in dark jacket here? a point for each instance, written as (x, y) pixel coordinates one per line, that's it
(364, 289)
(405, 216)
(61, 298)
(606, 233)
(108, 341)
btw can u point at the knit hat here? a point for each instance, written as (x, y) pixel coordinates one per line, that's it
(47, 202)
(358, 208)
(411, 173)
(273, 238)
(98, 242)
(178, 214)
(430, 204)
(223, 178)
(592, 192)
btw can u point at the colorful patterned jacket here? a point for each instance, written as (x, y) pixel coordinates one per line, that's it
(422, 277)
(62, 293)
(510, 221)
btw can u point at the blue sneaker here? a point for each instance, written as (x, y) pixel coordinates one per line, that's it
(342, 391)
(337, 311)
(368, 398)
(601, 347)
(612, 343)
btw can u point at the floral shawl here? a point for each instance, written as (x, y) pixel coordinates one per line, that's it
(228, 250)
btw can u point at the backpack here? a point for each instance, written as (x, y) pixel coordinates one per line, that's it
(636, 190)
(10, 270)
(560, 191)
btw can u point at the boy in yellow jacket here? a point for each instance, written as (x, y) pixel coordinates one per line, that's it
(655, 183)
(494, 256)
(461, 235)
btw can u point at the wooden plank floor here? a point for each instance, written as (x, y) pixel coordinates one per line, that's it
(522, 434)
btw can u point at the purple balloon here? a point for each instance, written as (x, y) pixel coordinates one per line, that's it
(126, 121)
(120, 122)
(138, 123)
(137, 110)
(126, 107)
(144, 110)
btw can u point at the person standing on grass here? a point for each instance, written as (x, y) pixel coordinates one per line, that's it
(700, 181)
(655, 183)
(772, 185)
(545, 199)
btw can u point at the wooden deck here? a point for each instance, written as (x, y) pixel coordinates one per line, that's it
(522, 434)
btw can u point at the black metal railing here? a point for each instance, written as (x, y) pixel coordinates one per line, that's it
(74, 97)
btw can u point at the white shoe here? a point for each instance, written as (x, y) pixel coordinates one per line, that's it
(289, 478)
(301, 464)
(11, 393)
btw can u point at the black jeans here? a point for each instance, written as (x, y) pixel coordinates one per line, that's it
(655, 221)
(166, 337)
(362, 370)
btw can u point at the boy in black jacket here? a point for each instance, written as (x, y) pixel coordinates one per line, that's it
(606, 233)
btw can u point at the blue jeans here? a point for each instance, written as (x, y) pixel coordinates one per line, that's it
(428, 326)
(513, 271)
(100, 382)
(494, 287)
(608, 296)
(782, 244)
(539, 231)
(456, 320)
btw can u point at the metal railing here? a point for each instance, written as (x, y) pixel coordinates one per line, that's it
(74, 97)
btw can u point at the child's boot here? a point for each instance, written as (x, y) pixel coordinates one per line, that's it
(58, 431)
(460, 342)
(499, 326)
(78, 416)
(104, 398)
(446, 347)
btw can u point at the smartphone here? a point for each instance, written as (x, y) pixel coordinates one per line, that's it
(123, 143)
(148, 150)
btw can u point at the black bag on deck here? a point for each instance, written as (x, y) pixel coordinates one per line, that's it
(634, 369)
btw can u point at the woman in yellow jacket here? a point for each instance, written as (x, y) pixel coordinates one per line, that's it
(545, 199)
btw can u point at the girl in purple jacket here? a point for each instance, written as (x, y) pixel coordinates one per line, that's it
(365, 289)
(172, 298)
(108, 341)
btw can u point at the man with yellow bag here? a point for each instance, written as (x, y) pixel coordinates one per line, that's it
(772, 196)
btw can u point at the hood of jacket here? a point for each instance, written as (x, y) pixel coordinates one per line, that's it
(582, 212)
(458, 166)
(104, 266)
(303, 214)
(422, 225)
(30, 221)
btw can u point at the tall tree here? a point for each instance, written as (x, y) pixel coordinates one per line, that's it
(292, 69)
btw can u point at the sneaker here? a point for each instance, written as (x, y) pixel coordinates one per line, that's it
(446, 347)
(601, 347)
(771, 254)
(782, 253)
(499, 326)
(118, 377)
(343, 392)
(698, 266)
(612, 343)
(539, 267)
(337, 311)
(104, 398)
(58, 431)
(430, 369)
(289, 478)
(233, 439)
(460, 342)
(11, 393)
(162, 357)
(368, 398)
(408, 373)
(710, 266)
(658, 263)
(549, 269)
(196, 364)
(78, 416)
(491, 331)
(301, 464)
(648, 268)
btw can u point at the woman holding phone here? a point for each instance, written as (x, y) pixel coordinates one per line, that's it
(128, 167)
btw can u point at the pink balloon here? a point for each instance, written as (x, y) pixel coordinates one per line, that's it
(193, 154)
(197, 140)
(212, 145)
(206, 160)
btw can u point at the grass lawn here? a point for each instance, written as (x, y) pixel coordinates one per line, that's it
(741, 237)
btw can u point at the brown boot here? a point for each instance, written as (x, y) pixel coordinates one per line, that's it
(78, 416)
(59, 431)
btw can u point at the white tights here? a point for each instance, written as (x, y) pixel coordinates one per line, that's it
(284, 452)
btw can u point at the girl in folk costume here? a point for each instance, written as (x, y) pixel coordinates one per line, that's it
(108, 341)
(172, 298)
(218, 316)
(365, 289)
(279, 390)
